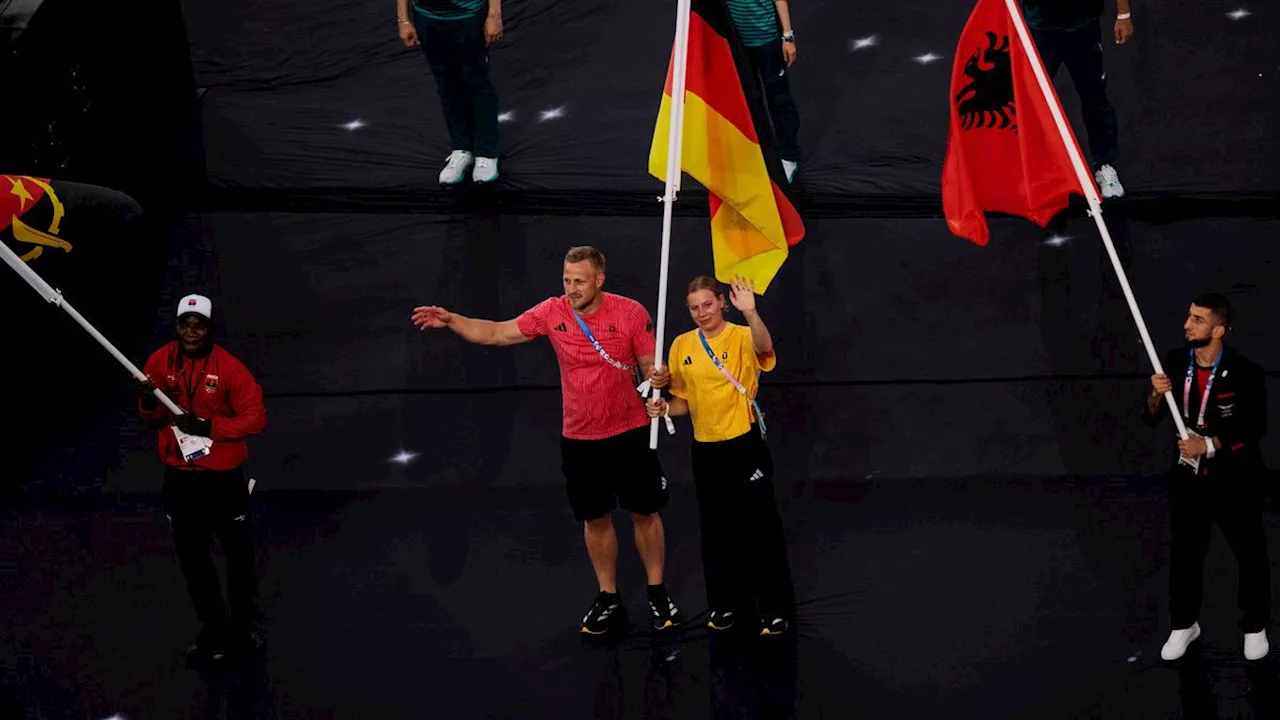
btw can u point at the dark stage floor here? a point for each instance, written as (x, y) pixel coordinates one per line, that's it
(910, 362)
(973, 598)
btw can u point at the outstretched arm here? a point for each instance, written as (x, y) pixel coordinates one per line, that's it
(479, 332)
(487, 332)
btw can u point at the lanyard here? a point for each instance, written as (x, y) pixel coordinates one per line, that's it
(643, 388)
(596, 343)
(193, 380)
(733, 381)
(1208, 385)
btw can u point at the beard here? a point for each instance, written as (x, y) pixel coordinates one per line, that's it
(1199, 343)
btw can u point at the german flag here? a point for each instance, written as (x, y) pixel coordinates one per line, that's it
(753, 222)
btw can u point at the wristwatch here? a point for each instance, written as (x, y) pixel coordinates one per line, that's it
(789, 36)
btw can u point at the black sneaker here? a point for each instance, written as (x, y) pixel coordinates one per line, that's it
(208, 645)
(663, 610)
(606, 613)
(721, 619)
(776, 626)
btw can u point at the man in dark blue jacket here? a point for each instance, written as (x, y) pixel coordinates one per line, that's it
(1223, 400)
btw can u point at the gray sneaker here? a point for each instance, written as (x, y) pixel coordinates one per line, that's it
(1109, 182)
(454, 167)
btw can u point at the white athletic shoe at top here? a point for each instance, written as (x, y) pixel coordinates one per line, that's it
(1109, 182)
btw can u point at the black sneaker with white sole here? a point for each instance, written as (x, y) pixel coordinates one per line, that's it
(774, 626)
(721, 619)
(662, 609)
(606, 613)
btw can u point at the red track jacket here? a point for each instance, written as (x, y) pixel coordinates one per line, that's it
(218, 388)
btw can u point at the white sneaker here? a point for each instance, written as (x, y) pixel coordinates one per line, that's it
(454, 167)
(789, 166)
(486, 170)
(1178, 642)
(1256, 646)
(1109, 182)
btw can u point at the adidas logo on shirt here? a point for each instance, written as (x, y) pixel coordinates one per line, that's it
(561, 328)
(757, 475)
(688, 360)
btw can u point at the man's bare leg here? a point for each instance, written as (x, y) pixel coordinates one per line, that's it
(602, 547)
(652, 543)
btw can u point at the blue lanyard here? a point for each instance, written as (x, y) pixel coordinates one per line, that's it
(1208, 385)
(596, 343)
(733, 381)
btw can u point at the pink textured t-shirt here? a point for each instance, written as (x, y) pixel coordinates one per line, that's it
(600, 400)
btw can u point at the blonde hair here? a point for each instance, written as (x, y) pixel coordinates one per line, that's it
(585, 253)
(702, 282)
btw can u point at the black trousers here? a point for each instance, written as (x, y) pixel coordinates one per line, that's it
(1234, 502)
(202, 506)
(459, 61)
(744, 551)
(767, 63)
(1081, 51)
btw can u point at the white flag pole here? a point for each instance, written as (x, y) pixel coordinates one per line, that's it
(1091, 195)
(675, 134)
(53, 296)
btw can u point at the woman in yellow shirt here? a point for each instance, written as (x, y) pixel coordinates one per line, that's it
(715, 372)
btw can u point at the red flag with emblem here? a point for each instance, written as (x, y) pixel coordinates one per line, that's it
(1005, 153)
(44, 220)
(18, 194)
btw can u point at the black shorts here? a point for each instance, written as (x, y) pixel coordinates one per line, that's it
(616, 471)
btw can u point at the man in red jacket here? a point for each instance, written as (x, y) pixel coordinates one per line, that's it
(208, 497)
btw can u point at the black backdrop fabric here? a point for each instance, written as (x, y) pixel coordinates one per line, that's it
(1015, 360)
(100, 97)
(60, 378)
(324, 137)
(309, 98)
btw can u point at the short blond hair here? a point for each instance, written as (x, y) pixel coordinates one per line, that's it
(585, 253)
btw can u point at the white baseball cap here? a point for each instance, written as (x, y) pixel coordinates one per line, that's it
(197, 304)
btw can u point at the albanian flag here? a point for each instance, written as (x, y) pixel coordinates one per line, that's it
(1005, 153)
(727, 147)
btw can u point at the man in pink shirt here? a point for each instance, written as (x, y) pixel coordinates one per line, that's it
(601, 340)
